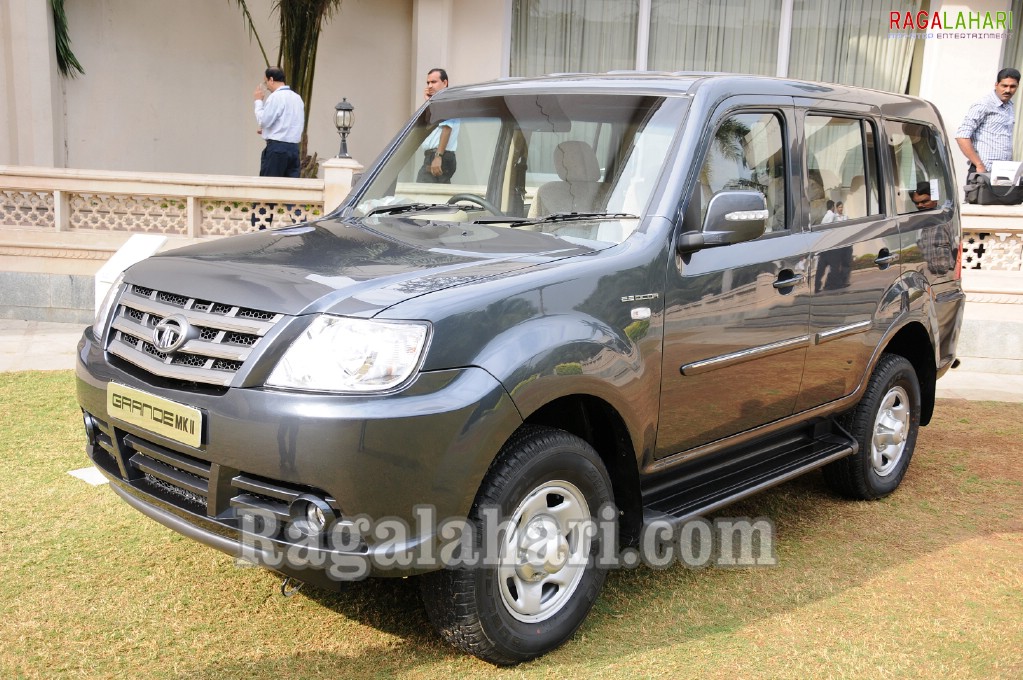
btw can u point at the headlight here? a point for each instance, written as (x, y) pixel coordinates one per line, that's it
(338, 354)
(99, 326)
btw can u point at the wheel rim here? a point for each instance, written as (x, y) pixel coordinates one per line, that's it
(544, 552)
(891, 429)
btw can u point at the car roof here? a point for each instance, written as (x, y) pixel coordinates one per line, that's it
(705, 85)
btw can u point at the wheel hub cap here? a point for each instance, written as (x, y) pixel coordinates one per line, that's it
(891, 428)
(545, 551)
(542, 549)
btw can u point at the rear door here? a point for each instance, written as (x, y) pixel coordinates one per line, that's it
(736, 316)
(928, 220)
(856, 252)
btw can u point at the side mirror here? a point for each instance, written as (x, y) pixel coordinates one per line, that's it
(732, 217)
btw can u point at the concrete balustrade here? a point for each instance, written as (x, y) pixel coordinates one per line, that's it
(991, 340)
(59, 226)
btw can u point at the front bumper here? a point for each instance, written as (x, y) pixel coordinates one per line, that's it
(427, 445)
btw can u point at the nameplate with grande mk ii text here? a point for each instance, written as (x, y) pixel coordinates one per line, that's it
(155, 414)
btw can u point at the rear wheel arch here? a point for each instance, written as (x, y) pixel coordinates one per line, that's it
(884, 425)
(914, 343)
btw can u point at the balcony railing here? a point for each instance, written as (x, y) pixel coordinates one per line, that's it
(189, 206)
(992, 237)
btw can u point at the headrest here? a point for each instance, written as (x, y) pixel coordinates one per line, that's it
(576, 162)
(816, 184)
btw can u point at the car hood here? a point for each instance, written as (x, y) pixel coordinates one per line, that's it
(353, 266)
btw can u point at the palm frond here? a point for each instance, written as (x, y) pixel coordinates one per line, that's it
(251, 28)
(66, 60)
(301, 21)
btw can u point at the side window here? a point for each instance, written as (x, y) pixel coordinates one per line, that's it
(747, 152)
(841, 169)
(921, 179)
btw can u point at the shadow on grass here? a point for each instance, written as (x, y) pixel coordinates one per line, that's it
(964, 483)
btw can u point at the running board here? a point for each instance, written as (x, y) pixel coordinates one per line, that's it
(716, 489)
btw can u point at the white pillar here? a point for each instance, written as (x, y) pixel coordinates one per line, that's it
(338, 177)
(431, 37)
(31, 99)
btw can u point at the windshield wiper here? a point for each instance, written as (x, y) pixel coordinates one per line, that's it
(405, 208)
(557, 217)
(569, 216)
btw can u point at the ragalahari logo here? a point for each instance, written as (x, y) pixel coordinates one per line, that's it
(950, 21)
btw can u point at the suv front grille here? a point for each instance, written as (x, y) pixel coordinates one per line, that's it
(226, 335)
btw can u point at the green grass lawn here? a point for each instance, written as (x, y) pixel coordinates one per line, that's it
(925, 584)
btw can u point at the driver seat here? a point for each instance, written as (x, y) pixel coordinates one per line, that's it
(580, 188)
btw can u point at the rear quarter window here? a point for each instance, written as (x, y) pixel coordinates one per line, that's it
(921, 175)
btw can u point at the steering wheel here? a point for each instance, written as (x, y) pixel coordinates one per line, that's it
(478, 200)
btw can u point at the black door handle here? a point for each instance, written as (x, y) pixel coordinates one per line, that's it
(789, 282)
(885, 258)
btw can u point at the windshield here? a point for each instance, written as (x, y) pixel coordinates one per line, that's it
(581, 166)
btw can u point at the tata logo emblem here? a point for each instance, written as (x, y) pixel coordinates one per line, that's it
(171, 333)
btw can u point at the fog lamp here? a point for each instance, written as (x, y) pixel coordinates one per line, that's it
(311, 514)
(90, 427)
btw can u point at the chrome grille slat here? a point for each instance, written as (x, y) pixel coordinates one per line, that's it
(227, 335)
(199, 317)
(264, 489)
(158, 367)
(201, 347)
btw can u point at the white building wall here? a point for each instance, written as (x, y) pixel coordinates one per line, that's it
(365, 54)
(168, 85)
(481, 41)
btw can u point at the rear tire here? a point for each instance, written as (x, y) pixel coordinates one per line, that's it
(545, 481)
(885, 425)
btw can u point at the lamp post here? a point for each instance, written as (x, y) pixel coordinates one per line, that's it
(344, 118)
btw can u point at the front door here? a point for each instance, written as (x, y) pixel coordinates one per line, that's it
(736, 316)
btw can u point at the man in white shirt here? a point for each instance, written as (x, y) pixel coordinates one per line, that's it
(281, 119)
(985, 135)
(439, 148)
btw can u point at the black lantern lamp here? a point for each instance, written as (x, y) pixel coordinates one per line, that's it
(344, 118)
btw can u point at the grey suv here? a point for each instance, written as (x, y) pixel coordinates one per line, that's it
(640, 298)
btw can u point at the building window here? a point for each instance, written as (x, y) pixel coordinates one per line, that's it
(714, 36)
(573, 36)
(822, 40)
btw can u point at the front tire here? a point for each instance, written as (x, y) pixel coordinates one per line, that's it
(885, 425)
(547, 484)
